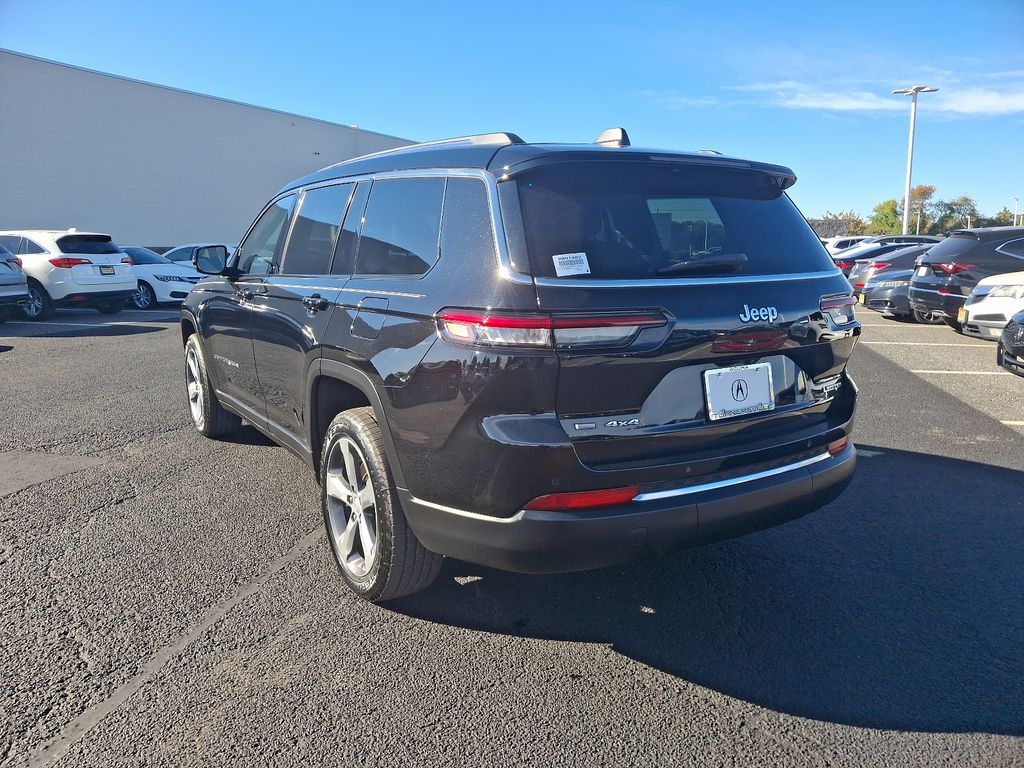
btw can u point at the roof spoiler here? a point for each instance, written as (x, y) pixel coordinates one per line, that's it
(613, 137)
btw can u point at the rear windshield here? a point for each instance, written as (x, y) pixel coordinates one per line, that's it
(654, 220)
(86, 244)
(145, 256)
(951, 247)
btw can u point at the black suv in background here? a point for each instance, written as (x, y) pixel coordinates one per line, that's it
(535, 357)
(947, 273)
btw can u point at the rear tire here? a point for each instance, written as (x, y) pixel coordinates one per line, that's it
(208, 416)
(926, 318)
(39, 305)
(376, 551)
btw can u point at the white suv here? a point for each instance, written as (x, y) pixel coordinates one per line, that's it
(71, 269)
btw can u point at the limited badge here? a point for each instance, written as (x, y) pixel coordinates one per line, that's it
(571, 264)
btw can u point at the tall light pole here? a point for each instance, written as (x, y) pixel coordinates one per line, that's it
(912, 93)
(1015, 199)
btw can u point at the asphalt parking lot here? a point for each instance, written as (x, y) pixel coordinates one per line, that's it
(170, 600)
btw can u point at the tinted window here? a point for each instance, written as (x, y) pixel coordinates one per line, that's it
(145, 256)
(179, 254)
(1014, 248)
(256, 254)
(466, 231)
(951, 247)
(629, 220)
(29, 247)
(93, 244)
(401, 227)
(315, 231)
(345, 255)
(4, 250)
(10, 242)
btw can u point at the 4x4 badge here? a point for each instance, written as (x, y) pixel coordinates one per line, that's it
(617, 423)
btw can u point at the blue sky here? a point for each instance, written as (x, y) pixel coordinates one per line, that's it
(803, 84)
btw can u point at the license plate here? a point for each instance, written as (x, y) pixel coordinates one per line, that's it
(106, 270)
(961, 316)
(738, 391)
(861, 298)
(922, 271)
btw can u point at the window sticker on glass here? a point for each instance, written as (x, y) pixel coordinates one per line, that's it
(571, 264)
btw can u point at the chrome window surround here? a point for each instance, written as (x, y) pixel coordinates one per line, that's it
(505, 267)
(1007, 253)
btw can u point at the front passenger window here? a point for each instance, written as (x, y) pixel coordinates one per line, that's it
(257, 252)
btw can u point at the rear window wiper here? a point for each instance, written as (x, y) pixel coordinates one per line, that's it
(722, 262)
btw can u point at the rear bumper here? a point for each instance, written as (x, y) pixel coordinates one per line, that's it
(552, 542)
(92, 298)
(891, 301)
(928, 300)
(10, 297)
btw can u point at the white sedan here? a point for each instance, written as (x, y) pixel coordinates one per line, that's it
(160, 280)
(991, 304)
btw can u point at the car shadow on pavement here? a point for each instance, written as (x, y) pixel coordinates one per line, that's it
(899, 606)
(26, 331)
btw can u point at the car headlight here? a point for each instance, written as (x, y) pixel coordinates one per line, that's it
(1007, 292)
(170, 278)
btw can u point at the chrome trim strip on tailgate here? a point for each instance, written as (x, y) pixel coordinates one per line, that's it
(731, 481)
(561, 282)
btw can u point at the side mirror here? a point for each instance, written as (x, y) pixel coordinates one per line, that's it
(210, 259)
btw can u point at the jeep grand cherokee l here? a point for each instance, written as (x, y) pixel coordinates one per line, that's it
(534, 357)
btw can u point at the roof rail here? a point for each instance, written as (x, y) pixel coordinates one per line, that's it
(499, 139)
(708, 152)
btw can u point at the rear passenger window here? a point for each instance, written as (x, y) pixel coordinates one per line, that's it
(345, 254)
(466, 231)
(401, 227)
(315, 231)
(29, 247)
(1014, 248)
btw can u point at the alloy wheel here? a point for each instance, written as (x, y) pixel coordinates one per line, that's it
(351, 507)
(194, 387)
(33, 308)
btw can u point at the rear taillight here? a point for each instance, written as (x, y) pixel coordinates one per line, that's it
(560, 502)
(127, 260)
(878, 265)
(542, 330)
(844, 264)
(858, 285)
(838, 446)
(840, 309)
(951, 269)
(19, 262)
(67, 262)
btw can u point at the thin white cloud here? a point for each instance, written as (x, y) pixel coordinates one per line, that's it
(679, 99)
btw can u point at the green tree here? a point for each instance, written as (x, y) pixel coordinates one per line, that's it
(919, 206)
(958, 213)
(1002, 219)
(885, 218)
(855, 225)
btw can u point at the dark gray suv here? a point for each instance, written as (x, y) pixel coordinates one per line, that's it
(535, 357)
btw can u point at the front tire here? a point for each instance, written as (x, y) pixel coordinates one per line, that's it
(377, 552)
(208, 416)
(953, 324)
(39, 305)
(145, 297)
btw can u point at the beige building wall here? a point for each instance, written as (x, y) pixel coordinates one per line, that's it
(148, 164)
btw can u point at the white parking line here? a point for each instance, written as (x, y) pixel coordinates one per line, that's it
(929, 344)
(1013, 423)
(971, 373)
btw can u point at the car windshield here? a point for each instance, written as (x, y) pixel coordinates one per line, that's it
(94, 244)
(625, 220)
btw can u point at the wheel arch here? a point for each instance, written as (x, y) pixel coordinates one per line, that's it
(333, 387)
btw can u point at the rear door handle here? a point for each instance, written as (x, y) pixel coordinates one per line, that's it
(315, 302)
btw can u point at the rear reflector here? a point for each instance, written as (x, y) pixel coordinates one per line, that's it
(543, 330)
(838, 446)
(878, 265)
(584, 499)
(127, 260)
(840, 309)
(753, 341)
(67, 262)
(844, 264)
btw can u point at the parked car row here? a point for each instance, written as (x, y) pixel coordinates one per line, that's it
(973, 281)
(41, 270)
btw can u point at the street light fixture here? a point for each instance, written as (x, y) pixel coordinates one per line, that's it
(912, 93)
